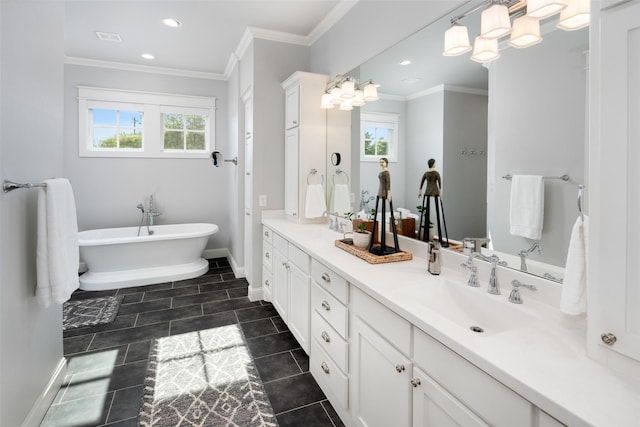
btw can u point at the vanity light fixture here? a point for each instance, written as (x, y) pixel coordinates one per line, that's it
(576, 15)
(456, 40)
(541, 9)
(526, 32)
(495, 22)
(346, 92)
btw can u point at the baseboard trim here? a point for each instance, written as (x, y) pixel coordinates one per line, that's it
(215, 253)
(237, 270)
(255, 294)
(41, 406)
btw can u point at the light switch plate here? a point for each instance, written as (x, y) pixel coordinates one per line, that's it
(262, 200)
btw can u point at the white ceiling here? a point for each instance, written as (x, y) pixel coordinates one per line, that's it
(210, 33)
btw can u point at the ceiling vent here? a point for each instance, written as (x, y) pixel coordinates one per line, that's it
(109, 37)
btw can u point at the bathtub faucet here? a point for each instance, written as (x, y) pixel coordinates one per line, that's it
(151, 213)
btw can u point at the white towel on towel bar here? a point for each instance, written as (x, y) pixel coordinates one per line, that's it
(573, 299)
(341, 202)
(315, 203)
(57, 253)
(526, 213)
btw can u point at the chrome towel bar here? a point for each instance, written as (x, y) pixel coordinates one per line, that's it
(8, 186)
(563, 177)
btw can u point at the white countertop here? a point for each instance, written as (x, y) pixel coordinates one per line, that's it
(544, 361)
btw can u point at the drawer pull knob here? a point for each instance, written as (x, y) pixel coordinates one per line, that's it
(266, 233)
(326, 305)
(326, 278)
(415, 382)
(325, 336)
(266, 282)
(608, 338)
(400, 368)
(325, 367)
(266, 255)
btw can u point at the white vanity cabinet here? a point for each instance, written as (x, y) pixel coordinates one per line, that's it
(381, 369)
(291, 288)
(305, 140)
(267, 262)
(329, 359)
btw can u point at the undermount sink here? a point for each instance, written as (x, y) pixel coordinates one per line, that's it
(477, 311)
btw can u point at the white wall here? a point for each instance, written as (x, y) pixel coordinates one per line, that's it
(31, 113)
(371, 27)
(107, 190)
(529, 134)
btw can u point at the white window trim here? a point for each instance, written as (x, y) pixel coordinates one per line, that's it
(153, 104)
(388, 120)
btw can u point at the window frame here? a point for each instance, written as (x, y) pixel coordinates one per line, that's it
(153, 106)
(380, 120)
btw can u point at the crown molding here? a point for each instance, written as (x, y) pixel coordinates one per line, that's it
(142, 68)
(336, 14)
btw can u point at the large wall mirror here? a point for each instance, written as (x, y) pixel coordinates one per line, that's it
(522, 114)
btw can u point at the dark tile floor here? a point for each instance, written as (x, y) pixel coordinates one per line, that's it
(107, 364)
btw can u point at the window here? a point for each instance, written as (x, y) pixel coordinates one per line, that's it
(379, 137)
(116, 123)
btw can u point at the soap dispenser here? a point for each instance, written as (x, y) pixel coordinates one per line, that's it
(434, 258)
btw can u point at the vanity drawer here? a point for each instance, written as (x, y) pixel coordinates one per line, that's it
(267, 280)
(328, 376)
(280, 244)
(388, 324)
(330, 280)
(267, 235)
(330, 309)
(491, 400)
(299, 258)
(267, 255)
(330, 341)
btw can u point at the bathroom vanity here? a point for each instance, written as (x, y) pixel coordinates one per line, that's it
(391, 344)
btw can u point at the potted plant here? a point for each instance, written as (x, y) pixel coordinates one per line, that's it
(361, 236)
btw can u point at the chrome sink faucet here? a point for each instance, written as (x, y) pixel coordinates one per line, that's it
(473, 278)
(525, 253)
(514, 296)
(494, 288)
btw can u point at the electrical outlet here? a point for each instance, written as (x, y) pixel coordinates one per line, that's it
(262, 200)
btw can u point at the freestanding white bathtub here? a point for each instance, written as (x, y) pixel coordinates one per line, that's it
(118, 258)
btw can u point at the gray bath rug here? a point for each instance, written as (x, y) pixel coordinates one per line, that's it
(90, 312)
(204, 378)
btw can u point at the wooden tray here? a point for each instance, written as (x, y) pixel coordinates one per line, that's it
(371, 258)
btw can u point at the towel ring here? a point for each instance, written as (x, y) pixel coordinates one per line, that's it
(580, 194)
(338, 172)
(313, 171)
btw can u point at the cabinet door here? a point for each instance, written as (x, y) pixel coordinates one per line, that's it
(614, 301)
(292, 107)
(433, 406)
(299, 323)
(280, 288)
(291, 152)
(381, 390)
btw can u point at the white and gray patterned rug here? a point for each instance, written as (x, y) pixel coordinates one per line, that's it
(204, 378)
(90, 312)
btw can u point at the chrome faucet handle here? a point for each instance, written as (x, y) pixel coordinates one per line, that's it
(473, 279)
(514, 296)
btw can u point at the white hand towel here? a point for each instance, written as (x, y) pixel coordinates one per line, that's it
(574, 286)
(341, 202)
(57, 252)
(315, 203)
(526, 214)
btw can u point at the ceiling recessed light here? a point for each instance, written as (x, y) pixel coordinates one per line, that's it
(173, 23)
(405, 62)
(109, 37)
(147, 56)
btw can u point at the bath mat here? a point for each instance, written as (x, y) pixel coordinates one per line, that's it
(204, 378)
(90, 312)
